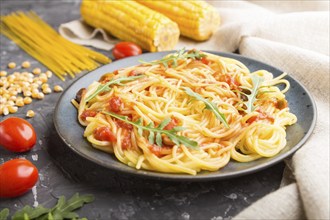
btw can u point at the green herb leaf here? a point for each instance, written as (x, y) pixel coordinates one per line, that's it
(173, 58)
(4, 214)
(62, 210)
(256, 83)
(30, 213)
(159, 130)
(208, 105)
(105, 87)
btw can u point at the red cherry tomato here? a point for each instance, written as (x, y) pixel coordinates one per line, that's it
(17, 176)
(17, 134)
(126, 49)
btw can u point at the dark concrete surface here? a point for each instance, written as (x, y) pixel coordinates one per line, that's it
(62, 172)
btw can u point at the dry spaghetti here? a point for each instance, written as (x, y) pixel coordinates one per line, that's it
(39, 40)
(188, 112)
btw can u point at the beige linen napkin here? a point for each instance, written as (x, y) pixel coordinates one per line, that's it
(293, 36)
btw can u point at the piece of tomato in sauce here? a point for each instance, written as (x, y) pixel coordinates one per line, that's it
(115, 104)
(205, 61)
(159, 151)
(173, 123)
(260, 116)
(230, 81)
(123, 124)
(88, 113)
(126, 142)
(104, 134)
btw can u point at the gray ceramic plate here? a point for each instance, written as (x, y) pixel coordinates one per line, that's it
(300, 101)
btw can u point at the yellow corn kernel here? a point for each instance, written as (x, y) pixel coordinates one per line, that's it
(43, 79)
(49, 73)
(12, 109)
(44, 86)
(11, 65)
(5, 110)
(19, 101)
(12, 98)
(13, 93)
(27, 100)
(6, 96)
(36, 71)
(30, 114)
(40, 95)
(26, 64)
(58, 88)
(10, 103)
(27, 93)
(46, 90)
(3, 73)
(3, 100)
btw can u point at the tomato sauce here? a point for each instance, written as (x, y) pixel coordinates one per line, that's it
(104, 134)
(260, 116)
(88, 113)
(123, 124)
(159, 151)
(115, 104)
(173, 123)
(205, 61)
(126, 142)
(231, 81)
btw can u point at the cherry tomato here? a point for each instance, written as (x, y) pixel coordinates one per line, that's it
(126, 49)
(17, 134)
(17, 176)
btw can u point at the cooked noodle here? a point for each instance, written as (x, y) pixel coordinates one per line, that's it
(160, 94)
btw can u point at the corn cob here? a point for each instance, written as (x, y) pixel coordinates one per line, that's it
(196, 19)
(131, 21)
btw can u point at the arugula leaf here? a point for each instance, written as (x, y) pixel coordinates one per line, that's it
(158, 130)
(30, 212)
(256, 83)
(208, 105)
(105, 87)
(4, 213)
(173, 58)
(62, 210)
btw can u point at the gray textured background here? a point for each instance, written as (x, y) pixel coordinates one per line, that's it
(117, 196)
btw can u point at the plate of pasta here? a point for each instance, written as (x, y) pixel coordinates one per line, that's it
(185, 115)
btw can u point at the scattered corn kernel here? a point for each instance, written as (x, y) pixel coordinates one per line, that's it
(27, 93)
(40, 95)
(46, 90)
(36, 71)
(18, 88)
(27, 100)
(49, 73)
(19, 102)
(43, 79)
(30, 114)
(12, 109)
(3, 73)
(58, 88)
(44, 86)
(5, 110)
(26, 64)
(11, 65)
(10, 103)
(13, 98)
